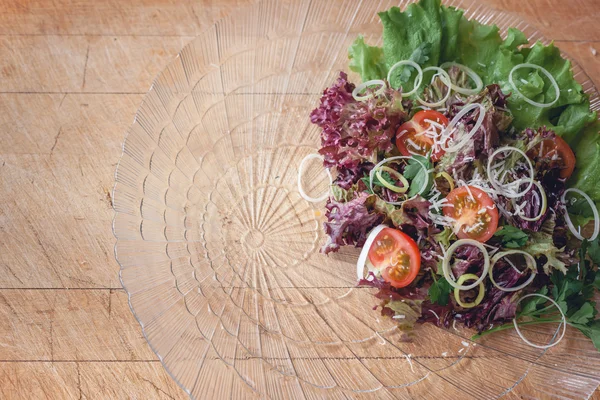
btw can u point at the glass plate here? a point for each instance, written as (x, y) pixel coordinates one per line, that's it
(220, 256)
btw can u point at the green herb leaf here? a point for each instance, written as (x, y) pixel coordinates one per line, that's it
(420, 56)
(414, 171)
(591, 330)
(532, 304)
(439, 291)
(594, 251)
(584, 315)
(376, 182)
(512, 237)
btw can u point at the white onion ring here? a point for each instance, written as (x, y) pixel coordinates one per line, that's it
(452, 249)
(472, 74)
(362, 258)
(563, 323)
(418, 79)
(364, 85)
(545, 72)
(445, 78)
(594, 211)
(531, 266)
(543, 208)
(472, 132)
(301, 189)
(496, 185)
(386, 160)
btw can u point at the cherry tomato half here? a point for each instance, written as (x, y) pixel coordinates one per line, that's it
(557, 147)
(397, 256)
(417, 135)
(475, 213)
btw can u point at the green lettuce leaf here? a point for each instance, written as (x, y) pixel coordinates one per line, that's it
(366, 60)
(404, 32)
(571, 111)
(587, 167)
(407, 312)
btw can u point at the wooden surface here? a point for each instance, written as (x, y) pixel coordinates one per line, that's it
(72, 75)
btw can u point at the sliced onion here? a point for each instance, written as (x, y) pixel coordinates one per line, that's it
(531, 264)
(398, 175)
(301, 189)
(463, 141)
(447, 177)
(364, 85)
(497, 185)
(594, 211)
(362, 258)
(479, 297)
(418, 79)
(472, 74)
(542, 209)
(445, 78)
(543, 71)
(386, 160)
(448, 256)
(563, 323)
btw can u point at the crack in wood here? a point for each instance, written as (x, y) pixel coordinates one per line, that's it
(87, 56)
(61, 101)
(55, 140)
(10, 270)
(110, 292)
(51, 341)
(158, 390)
(44, 250)
(79, 380)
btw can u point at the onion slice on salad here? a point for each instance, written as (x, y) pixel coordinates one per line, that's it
(447, 133)
(563, 323)
(398, 175)
(447, 177)
(362, 258)
(365, 85)
(472, 74)
(385, 161)
(418, 79)
(531, 264)
(543, 71)
(479, 297)
(544, 205)
(445, 78)
(301, 189)
(504, 189)
(448, 256)
(587, 198)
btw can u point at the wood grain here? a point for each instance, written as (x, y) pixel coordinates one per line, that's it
(112, 17)
(69, 325)
(72, 75)
(87, 380)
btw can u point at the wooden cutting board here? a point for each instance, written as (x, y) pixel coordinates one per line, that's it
(72, 75)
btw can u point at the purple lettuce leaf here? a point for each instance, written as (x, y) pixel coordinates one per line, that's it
(353, 131)
(348, 223)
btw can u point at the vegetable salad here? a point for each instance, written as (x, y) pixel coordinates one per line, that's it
(466, 166)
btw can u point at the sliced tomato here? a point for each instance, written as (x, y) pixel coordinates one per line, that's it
(474, 211)
(417, 135)
(556, 148)
(397, 256)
